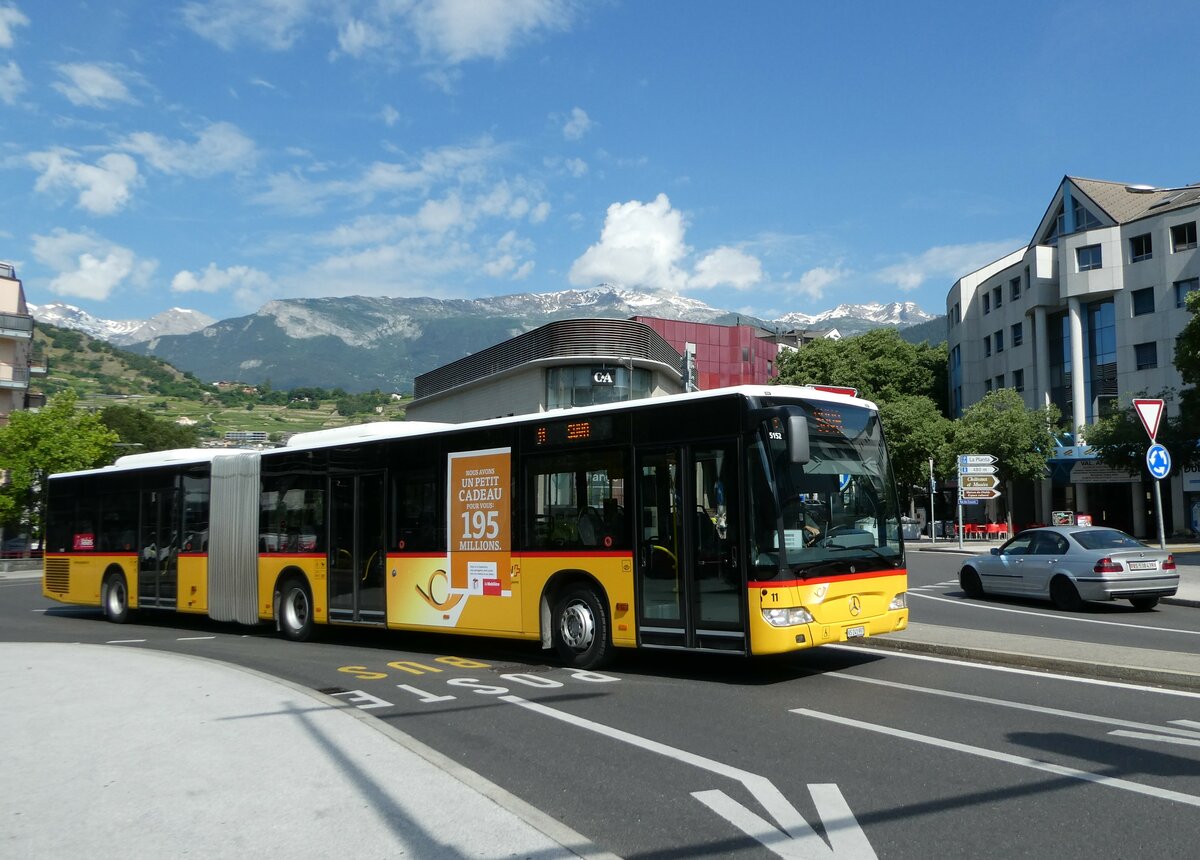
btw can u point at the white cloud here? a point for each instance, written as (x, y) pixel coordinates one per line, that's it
(356, 37)
(577, 125)
(814, 282)
(726, 267)
(577, 167)
(945, 262)
(214, 280)
(219, 148)
(456, 31)
(390, 115)
(104, 187)
(89, 267)
(10, 17)
(274, 24)
(92, 85)
(641, 244)
(12, 83)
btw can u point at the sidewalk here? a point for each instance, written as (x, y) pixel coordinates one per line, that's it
(116, 752)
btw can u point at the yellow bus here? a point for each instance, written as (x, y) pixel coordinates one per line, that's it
(748, 520)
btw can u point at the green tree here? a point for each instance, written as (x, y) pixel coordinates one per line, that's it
(880, 364)
(1020, 438)
(143, 430)
(35, 445)
(916, 431)
(1187, 345)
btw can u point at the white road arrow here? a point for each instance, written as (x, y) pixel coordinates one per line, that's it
(795, 841)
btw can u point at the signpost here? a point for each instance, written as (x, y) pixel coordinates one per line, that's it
(977, 482)
(1158, 459)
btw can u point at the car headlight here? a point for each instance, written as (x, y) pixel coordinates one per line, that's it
(900, 601)
(787, 617)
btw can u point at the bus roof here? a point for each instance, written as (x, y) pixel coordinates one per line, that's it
(173, 457)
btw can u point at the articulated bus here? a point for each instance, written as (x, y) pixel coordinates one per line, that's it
(748, 520)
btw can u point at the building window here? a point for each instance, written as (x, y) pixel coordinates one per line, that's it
(1146, 355)
(987, 302)
(997, 297)
(957, 314)
(1182, 288)
(1143, 301)
(999, 382)
(987, 385)
(1140, 248)
(1019, 380)
(1014, 289)
(987, 344)
(1183, 236)
(1088, 257)
(955, 357)
(1017, 333)
(998, 339)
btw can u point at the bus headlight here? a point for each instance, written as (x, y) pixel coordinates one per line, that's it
(900, 601)
(787, 617)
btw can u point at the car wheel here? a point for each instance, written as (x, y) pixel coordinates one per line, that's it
(968, 580)
(295, 610)
(1064, 594)
(116, 599)
(581, 629)
(1144, 603)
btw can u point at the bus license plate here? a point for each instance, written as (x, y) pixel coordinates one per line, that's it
(1143, 565)
(855, 632)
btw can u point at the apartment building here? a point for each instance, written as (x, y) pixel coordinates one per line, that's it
(20, 364)
(1085, 317)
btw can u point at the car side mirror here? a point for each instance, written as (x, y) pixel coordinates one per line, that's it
(995, 550)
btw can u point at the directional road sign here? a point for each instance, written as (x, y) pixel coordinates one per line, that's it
(1158, 461)
(979, 493)
(1150, 411)
(976, 470)
(975, 459)
(985, 481)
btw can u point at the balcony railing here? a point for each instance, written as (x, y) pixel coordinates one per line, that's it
(38, 364)
(16, 325)
(35, 400)
(12, 376)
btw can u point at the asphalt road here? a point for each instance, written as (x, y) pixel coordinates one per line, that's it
(668, 756)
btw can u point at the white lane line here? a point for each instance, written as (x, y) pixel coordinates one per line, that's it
(1158, 736)
(1187, 724)
(1013, 670)
(1044, 616)
(1020, 706)
(193, 638)
(1020, 761)
(124, 641)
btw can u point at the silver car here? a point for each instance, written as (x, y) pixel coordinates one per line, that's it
(1071, 564)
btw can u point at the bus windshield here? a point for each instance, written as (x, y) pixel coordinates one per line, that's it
(836, 512)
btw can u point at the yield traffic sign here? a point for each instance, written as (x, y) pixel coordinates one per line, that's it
(1150, 411)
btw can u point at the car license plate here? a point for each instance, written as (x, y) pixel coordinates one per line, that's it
(1143, 565)
(856, 632)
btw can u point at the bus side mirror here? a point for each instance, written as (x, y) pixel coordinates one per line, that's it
(798, 451)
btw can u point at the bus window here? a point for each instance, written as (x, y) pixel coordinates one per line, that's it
(418, 518)
(576, 500)
(291, 514)
(118, 518)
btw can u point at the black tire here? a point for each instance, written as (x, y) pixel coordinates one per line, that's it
(580, 628)
(968, 581)
(1144, 604)
(296, 610)
(116, 599)
(1064, 595)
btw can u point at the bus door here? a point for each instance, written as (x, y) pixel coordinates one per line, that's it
(158, 544)
(357, 551)
(691, 591)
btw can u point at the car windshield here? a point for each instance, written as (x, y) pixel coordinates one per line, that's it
(1105, 539)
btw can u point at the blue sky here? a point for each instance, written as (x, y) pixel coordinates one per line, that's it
(763, 157)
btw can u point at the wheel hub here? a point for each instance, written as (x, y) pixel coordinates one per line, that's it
(578, 627)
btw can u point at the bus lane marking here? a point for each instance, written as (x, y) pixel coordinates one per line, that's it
(793, 838)
(1007, 758)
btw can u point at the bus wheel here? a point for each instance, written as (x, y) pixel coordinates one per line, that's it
(116, 599)
(295, 610)
(581, 628)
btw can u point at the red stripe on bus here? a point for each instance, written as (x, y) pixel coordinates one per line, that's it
(577, 554)
(292, 554)
(781, 583)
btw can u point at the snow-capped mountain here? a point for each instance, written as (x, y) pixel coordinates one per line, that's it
(121, 332)
(363, 342)
(894, 313)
